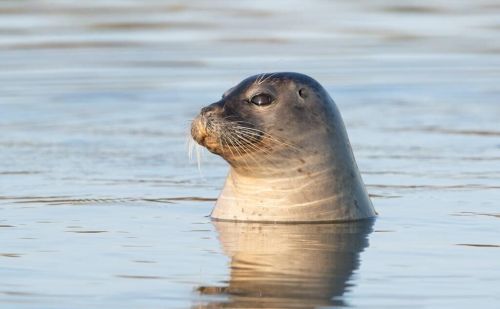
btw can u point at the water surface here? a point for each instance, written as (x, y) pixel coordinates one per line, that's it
(101, 207)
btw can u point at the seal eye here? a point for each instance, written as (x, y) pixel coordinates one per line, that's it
(262, 99)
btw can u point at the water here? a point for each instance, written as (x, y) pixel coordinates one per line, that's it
(101, 207)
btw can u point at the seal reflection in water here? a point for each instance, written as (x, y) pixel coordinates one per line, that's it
(288, 265)
(289, 153)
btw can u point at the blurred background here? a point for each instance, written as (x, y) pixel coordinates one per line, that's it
(96, 99)
(104, 87)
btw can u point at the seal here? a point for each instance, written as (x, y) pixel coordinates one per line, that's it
(290, 157)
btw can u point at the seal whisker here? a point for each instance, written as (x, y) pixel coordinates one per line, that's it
(258, 132)
(222, 137)
(261, 132)
(249, 141)
(264, 138)
(191, 146)
(228, 147)
(229, 140)
(198, 157)
(266, 78)
(259, 78)
(248, 147)
(266, 154)
(232, 142)
(245, 151)
(225, 139)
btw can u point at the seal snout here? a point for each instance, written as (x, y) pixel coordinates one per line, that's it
(202, 127)
(199, 129)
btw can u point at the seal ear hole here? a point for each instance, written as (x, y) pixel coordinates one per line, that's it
(303, 93)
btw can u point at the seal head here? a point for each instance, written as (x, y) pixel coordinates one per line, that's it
(289, 153)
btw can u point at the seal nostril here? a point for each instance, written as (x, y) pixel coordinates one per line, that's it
(206, 111)
(211, 109)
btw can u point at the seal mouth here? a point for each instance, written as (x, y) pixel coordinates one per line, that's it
(225, 136)
(200, 133)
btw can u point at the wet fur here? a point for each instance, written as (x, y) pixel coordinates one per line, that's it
(291, 161)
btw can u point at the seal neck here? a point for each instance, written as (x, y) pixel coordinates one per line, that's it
(320, 182)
